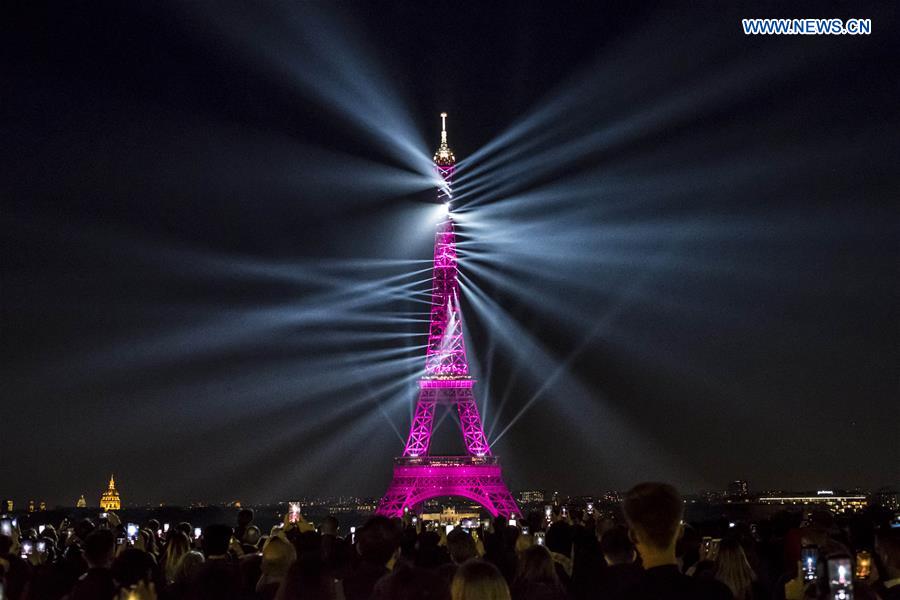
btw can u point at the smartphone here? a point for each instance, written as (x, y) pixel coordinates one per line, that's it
(41, 546)
(415, 519)
(448, 528)
(131, 530)
(6, 526)
(590, 508)
(512, 521)
(104, 515)
(197, 533)
(840, 578)
(714, 548)
(705, 547)
(539, 538)
(809, 559)
(294, 508)
(121, 540)
(27, 548)
(353, 534)
(41, 528)
(525, 529)
(564, 512)
(863, 565)
(548, 510)
(166, 527)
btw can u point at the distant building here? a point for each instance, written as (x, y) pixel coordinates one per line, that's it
(449, 516)
(81, 503)
(611, 497)
(110, 499)
(836, 503)
(888, 498)
(530, 496)
(42, 506)
(739, 489)
(31, 506)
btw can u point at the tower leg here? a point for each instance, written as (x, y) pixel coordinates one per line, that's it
(423, 420)
(472, 429)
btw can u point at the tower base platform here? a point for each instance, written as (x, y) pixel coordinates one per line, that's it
(477, 478)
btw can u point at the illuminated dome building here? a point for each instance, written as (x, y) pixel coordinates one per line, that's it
(110, 498)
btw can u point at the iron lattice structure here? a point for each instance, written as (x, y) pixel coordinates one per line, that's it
(419, 476)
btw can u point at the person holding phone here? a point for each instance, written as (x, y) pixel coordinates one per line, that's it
(378, 545)
(887, 548)
(654, 512)
(97, 583)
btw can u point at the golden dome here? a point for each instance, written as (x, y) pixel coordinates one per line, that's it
(110, 498)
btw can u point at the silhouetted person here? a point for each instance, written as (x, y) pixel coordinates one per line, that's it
(654, 512)
(14, 570)
(733, 569)
(97, 583)
(307, 580)
(277, 557)
(177, 546)
(431, 554)
(559, 543)
(244, 520)
(621, 572)
(587, 561)
(887, 547)
(133, 566)
(409, 582)
(377, 543)
(461, 547)
(219, 578)
(186, 575)
(250, 540)
(536, 577)
(687, 549)
(335, 550)
(479, 580)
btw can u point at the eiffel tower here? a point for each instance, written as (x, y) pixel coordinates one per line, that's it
(418, 475)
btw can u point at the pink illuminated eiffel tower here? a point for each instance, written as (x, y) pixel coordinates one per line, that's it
(419, 476)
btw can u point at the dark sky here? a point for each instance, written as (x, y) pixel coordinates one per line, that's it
(177, 180)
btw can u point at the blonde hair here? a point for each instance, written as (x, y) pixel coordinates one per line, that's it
(478, 580)
(277, 556)
(177, 546)
(733, 570)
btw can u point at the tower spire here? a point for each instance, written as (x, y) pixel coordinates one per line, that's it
(445, 164)
(443, 157)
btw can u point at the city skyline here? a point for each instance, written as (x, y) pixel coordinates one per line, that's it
(723, 492)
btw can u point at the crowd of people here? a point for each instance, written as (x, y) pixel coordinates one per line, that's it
(562, 555)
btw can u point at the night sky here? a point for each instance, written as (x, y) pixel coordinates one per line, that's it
(705, 289)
